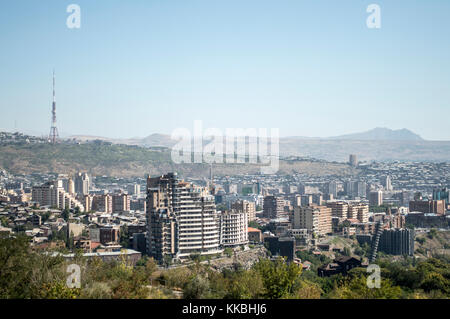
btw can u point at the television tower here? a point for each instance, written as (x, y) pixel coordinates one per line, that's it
(53, 136)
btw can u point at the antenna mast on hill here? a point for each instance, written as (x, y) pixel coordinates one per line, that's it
(53, 136)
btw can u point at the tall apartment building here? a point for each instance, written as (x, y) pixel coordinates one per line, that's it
(134, 189)
(181, 219)
(387, 183)
(442, 194)
(233, 228)
(376, 198)
(317, 199)
(398, 221)
(355, 188)
(109, 234)
(273, 207)
(339, 209)
(87, 202)
(82, 183)
(352, 212)
(306, 200)
(363, 213)
(360, 189)
(316, 219)
(102, 203)
(120, 203)
(428, 206)
(332, 189)
(247, 207)
(138, 204)
(353, 160)
(406, 197)
(69, 185)
(348, 188)
(343, 211)
(53, 194)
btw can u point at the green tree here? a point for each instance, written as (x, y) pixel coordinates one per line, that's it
(245, 284)
(25, 273)
(357, 288)
(435, 281)
(307, 290)
(254, 224)
(58, 290)
(147, 266)
(278, 277)
(196, 287)
(65, 214)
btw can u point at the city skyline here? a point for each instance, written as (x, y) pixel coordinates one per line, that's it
(146, 67)
(259, 150)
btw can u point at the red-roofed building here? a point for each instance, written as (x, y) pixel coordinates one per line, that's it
(254, 235)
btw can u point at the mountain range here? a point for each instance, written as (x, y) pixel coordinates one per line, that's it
(380, 144)
(381, 134)
(376, 134)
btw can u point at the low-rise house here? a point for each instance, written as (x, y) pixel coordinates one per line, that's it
(254, 235)
(340, 265)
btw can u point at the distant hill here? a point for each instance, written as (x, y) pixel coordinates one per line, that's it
(158, 140)
(381, 134)
(100, 158)
(149, 141)
(367, 150)
(376, 134)
(379, 144)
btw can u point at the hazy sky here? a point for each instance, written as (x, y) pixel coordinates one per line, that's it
(309, 68)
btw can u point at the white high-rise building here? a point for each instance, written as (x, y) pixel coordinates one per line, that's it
(53, 194)
(316, 219)
(181, 219)
(233, 228)
(248, 207)
(387, 183)
(333, 189)
(376, 198)
(82, 184)
(353, 160)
